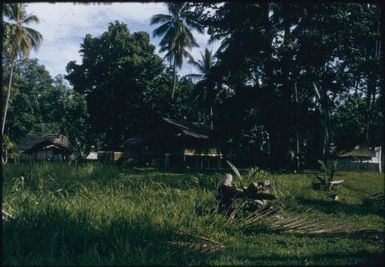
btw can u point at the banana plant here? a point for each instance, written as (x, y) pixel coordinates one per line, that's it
(328, 174)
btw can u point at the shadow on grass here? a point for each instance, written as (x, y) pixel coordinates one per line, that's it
(56, 237)
(364, 258)
(367, 207)
(375, 236)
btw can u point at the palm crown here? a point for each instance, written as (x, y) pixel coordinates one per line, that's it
(203, 65)
(20, 39)
(176, 34)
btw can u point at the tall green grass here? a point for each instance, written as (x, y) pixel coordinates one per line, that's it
(95, 214)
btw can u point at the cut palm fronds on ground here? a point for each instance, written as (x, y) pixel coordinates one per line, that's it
(301, 222)
(236, 210)
(257, 217)
(197, 243)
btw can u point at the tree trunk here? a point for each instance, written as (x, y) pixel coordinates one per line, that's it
(174, 80)
(275, 160)
(7, 100)
(287, 88)
(371, 90)
(211, 117)
(322, 97)
(370, 94)
(325, 109)
(297, 128)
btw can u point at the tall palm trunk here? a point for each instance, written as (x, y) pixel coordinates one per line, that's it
(7, 99)
(371, 94)
(211, 117)
(174, 80)
(322, 98)
(297, 127)
(325, 110)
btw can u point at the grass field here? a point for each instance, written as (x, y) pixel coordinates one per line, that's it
(94, 214)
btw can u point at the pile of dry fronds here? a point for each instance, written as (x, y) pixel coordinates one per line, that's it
(297, 221)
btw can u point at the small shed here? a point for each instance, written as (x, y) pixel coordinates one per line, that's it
(360, 158)
(45, 147)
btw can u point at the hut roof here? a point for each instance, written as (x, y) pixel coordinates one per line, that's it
(192, 129)
(35, 142)
(135, 141)
(359, 151)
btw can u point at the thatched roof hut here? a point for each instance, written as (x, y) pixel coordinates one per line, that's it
(190, 129)
(361, 157)
(49, 146)
(359, 151)
(176, 143)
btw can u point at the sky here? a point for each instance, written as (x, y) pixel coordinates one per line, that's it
(64, 26)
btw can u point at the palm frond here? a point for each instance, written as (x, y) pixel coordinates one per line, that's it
(7, 10)
(192, 23)
(31, 18)
(34, 37)
(162, 29)
(235, 170)
(197, 243)
(169, 56)
(160, 18)
(163, 49)
(175, 8)
(301, 223)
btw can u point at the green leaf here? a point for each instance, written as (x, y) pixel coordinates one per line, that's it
(235, 170)
(323, 166)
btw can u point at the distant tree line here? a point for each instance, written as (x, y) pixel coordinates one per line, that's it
(287, 76)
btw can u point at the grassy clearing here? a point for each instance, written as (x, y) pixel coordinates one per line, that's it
(94, 214)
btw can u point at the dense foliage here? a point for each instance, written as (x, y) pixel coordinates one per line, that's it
(41, 105)
(302, 64)
(286, 76)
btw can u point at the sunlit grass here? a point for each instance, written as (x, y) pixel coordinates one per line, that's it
(94, 214)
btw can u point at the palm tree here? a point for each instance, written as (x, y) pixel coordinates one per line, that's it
(205, 87)
(175, 30)
(203, 65)
(19, 40)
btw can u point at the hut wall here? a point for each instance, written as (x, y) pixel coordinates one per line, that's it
(350, 164)
(110, 156)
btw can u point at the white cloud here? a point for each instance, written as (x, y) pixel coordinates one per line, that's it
(64, 25)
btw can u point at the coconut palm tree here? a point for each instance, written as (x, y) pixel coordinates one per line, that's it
(19, 40)
(204, 89)
(175, 30)
(203, 65)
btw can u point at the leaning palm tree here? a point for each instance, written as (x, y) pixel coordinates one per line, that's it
(175, 30)
(19, 41)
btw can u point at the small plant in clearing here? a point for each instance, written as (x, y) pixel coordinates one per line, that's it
(326, 179)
